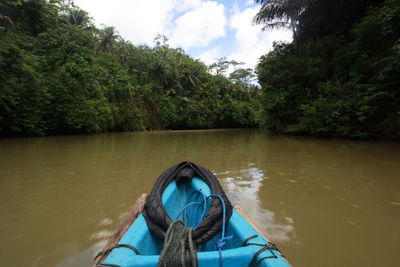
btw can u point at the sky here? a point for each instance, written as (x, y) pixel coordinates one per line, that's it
(206, 30)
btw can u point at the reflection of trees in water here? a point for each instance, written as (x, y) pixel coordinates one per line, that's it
(242, 187)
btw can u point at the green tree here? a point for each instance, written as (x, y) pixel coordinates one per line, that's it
(108, 38)
(77, 17)
(345, 80)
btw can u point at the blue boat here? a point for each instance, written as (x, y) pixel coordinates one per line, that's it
(243, 243)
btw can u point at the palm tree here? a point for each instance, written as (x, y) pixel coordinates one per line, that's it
(108, 39)
(281, 14)
(77, 17)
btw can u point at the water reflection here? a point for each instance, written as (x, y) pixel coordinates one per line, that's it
(242, 187)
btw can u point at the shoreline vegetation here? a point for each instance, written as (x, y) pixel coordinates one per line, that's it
(340, 77)
(59, 74)
(62, 75)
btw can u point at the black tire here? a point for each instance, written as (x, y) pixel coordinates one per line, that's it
(157, 219)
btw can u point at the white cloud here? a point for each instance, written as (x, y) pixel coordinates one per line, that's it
(200, 26)
(251, 42)
(139, 21)
(184, 5)
(211, 55)
(136, 20)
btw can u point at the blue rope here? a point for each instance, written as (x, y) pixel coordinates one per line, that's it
(222, 241)
(202, 205)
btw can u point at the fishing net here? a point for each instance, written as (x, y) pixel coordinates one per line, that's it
(179, 249)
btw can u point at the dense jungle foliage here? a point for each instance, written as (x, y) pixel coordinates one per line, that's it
(61, 74)
(340, 75)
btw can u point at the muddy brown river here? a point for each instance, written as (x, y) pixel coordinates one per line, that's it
(323, 202)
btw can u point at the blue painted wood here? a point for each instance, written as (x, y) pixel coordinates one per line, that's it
(174, 199)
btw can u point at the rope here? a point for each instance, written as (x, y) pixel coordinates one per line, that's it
(105, 252)
(179, 248)
(269, 246)
(222, 241)
(202, 205)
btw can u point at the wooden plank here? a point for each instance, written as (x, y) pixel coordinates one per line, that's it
(247, 218)
(135, 211)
